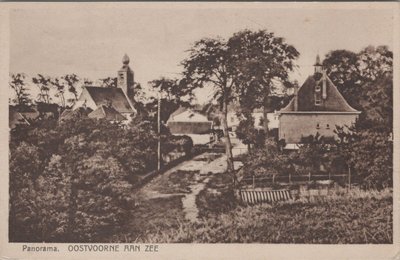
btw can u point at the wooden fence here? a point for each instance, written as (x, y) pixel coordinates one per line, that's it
(259, 196)
(292, 179)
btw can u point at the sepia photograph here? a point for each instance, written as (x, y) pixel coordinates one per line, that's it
(199, 123)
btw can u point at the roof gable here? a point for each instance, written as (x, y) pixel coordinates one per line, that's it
(334, 101)
(108, 113)
(102, 96)
(188, 115)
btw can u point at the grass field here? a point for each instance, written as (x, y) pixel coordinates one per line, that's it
(354, 217)
(345, 217)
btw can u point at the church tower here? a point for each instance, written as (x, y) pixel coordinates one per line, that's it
(125, 79)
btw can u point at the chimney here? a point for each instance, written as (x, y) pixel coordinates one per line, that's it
(296, 89)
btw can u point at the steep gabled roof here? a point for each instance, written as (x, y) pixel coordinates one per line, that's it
(108, 113)
(187, 115)
(334, 101)
(115, 96)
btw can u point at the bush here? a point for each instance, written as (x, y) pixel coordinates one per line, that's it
(72, 181)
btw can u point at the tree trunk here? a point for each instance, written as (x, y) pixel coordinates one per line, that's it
(265, 111)
(265, 115)
(228, 145)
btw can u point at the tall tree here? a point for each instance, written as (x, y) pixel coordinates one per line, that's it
(260, 60)
(375, 62)
(18, 84)
(350, 71)
(43, 83)
(342, 68)
(72, 81)
(210, 64)
(60, 88)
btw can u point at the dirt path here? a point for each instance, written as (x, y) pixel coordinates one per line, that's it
(194, 176)
(187, 180)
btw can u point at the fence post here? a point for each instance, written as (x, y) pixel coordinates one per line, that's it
(254, 182)
(290, 177)
(329, 175)
(273, 179)
(309, 176)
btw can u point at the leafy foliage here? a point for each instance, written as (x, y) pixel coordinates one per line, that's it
(260, 60)
(210, 64)
(71, 81)
(43, 83)
(18, 84)
(72, 180)
(173, 94)
(350, 71)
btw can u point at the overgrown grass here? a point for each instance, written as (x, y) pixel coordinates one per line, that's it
(217, 197)
(150, 218)
(356, 218)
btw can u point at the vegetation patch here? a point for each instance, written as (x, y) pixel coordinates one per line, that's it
(341, 220)
(217, 197)
(150, 218)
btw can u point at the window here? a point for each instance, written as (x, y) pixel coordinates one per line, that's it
(317, 126)
(317, 99)
(318, 88)
(327, 126)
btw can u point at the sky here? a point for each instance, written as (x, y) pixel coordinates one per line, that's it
(90, 41)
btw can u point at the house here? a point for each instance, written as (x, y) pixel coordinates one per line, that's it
(25, 115)
(185, 121)
(258, 115)
(21, 116)
(316, 108)
(119, 99)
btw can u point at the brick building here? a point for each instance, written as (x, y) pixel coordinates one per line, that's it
(317, 107)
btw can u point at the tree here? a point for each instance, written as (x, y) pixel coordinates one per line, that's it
(70, 180)
(60, 88)
(18, 84)
(350, 71)
(368, 151)
(368, 146)
(71, 80)
(25, 168)
(173, 94)
(260, 59)
(108, 82)
(210, 64)
(247, 132)
(374, 62)
(42, 82)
